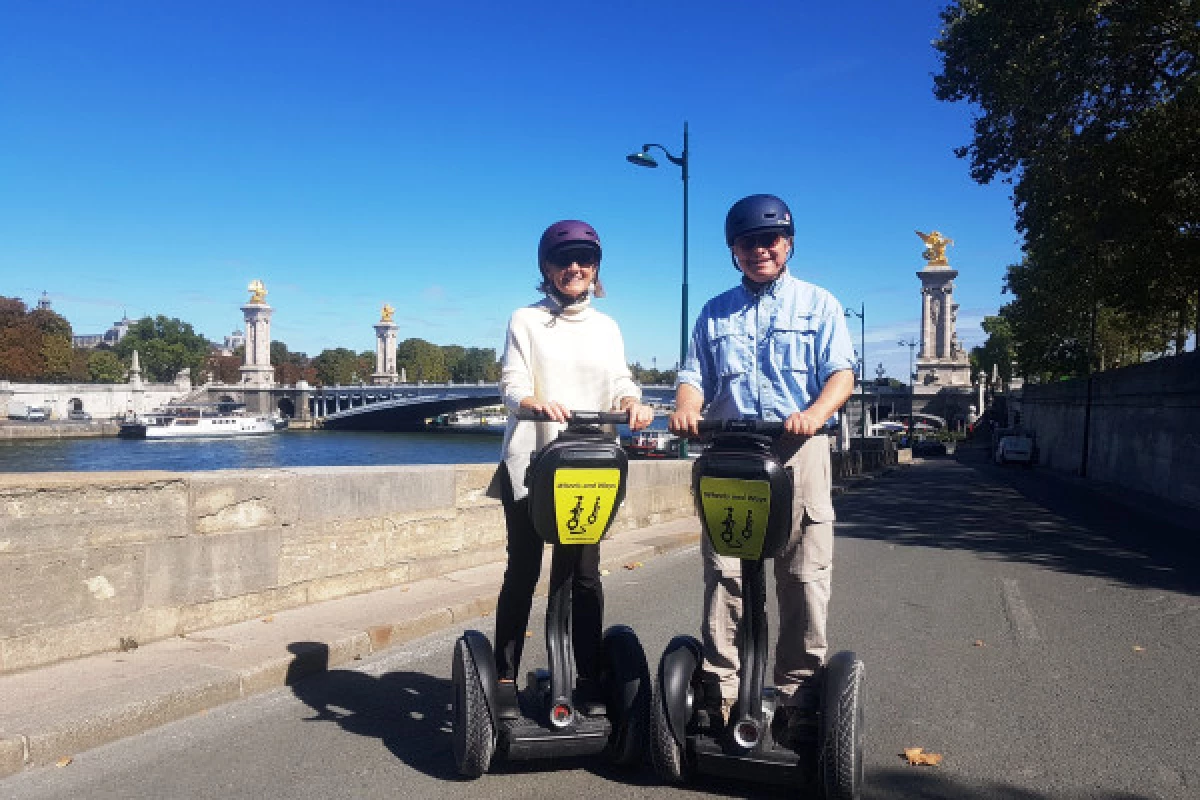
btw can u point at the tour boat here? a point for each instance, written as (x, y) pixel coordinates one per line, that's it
(196, 421)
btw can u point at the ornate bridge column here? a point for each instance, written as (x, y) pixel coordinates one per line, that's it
(385, 349)
(257, 371)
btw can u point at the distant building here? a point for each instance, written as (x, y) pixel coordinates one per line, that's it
(110, 337)
(44, 302)
(232, 342)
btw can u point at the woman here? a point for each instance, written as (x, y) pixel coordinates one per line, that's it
(560, 355)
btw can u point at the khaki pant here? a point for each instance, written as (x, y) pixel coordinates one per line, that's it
(802, 582)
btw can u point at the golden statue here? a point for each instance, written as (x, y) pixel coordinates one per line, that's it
(388, 312)
(935, 248)
(258, 292)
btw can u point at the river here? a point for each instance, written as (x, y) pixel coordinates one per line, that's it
(286, 449)
(293, 448)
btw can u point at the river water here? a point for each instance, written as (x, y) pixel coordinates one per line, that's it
(286, 449)
(293, 448)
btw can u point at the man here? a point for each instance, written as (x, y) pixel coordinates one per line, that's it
(772, 348)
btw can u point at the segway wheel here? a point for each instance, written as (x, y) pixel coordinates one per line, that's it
(676, 675)
(627, 681)
(474, 734)
(840, 763)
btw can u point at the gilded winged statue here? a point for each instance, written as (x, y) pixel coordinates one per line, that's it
(388, 313)
(935, 248)
(258, 292)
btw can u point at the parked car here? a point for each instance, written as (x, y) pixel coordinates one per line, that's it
(1015, 448)
(79, 416)
(924, 448)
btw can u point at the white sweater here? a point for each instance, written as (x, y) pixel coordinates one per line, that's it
(575, 357)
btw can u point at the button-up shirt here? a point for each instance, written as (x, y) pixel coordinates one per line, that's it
(767, 354)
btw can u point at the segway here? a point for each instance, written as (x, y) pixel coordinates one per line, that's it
(744, 497)
(576, 484)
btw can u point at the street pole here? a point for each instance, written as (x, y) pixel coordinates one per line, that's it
(912, 378)
(644, 159)
(862, 369)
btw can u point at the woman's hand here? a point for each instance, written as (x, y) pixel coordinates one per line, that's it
(640, 416)
(553, 412)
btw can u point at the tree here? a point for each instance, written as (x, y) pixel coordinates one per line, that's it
(422, 361)
(165, 346)
(103, 366)
(1092, 109)
(997, 352)
(34, 345)
(335, 367)
(474, 364)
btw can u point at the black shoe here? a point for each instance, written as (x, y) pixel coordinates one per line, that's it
(589, 700)
(507, 705)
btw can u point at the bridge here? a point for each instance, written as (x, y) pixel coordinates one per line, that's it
(405, 407)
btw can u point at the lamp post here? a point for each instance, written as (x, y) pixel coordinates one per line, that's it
(912, 377)
(862, 361)
(644, 159)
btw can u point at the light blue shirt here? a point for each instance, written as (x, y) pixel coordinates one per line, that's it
(767, 355)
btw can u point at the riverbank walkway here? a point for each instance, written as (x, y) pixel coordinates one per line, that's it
(50, 713)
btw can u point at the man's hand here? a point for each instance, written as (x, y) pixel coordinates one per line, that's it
(684, 423)
(803, 423)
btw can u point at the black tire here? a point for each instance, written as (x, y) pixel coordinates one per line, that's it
(840, 760)
(474, 735)
(666, 752)
(626, 678)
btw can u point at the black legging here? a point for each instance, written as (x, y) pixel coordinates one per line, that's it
(520, 580)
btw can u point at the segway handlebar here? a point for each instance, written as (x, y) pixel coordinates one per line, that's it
(772, 428)
(580, 417)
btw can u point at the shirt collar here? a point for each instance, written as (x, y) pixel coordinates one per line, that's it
(769, 289)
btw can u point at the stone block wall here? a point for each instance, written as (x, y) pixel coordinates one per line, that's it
(87, 559)
(1144, 430)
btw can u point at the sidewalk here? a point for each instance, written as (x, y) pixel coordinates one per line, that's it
(56, 711)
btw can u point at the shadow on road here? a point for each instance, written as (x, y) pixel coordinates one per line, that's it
(1031, 516)
(407, 711)
(908, 783)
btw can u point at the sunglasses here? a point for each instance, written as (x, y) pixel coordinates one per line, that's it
(565, 258)
(753, 241)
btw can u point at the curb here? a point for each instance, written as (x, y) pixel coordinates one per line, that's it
(213, 686)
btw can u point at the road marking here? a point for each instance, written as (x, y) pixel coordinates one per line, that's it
(1018, 612)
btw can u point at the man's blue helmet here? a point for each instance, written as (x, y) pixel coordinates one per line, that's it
(758, 212)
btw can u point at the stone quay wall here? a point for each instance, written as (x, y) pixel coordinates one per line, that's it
(90, 559)
(1145, 427)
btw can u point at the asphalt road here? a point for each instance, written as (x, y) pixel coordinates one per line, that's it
(1040, 637)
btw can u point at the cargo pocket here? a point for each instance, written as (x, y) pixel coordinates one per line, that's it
(793, 340)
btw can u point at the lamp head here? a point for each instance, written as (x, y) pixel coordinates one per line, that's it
(642, 159)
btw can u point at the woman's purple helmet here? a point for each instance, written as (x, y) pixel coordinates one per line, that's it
(567, 232)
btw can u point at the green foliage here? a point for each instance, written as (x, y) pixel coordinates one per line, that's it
(652, 377)
(103, 366)
(997, 352)
(165, 346)
(336, 367)
(472, 364)
(1092, 108)
(422, 361)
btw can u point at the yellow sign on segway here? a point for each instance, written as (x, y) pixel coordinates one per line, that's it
(735, 515)
(583, 503)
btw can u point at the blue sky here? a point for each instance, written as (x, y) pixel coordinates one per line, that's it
(155, 156)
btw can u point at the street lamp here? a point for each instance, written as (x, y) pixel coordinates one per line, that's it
(912, 377)
(862, 361)
(644, 159)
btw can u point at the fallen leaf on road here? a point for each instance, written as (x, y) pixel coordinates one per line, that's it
(268, 619)
(980, 643)
(62, 762)
(603, 572)
(404, 588)
(633, 565)
(1137, 648)
(917, 757)
(528, 634)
